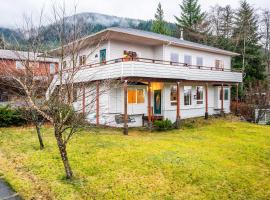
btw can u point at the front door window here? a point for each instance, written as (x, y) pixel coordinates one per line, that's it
(157, 102)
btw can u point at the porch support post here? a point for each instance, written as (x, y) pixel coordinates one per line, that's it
(149, 106)
(83, 100)
(125, 131)
(178, 118)
(222, 100)
(206, 101)
(236, 109)
(97, 103)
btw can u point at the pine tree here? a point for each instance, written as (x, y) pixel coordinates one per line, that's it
(159, 24)
(246, 40)
(2, 42)
(192, 20)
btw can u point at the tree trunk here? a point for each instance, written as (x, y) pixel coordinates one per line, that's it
(63, 153)
(41, 144)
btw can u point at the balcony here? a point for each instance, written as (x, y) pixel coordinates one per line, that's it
(155, 69)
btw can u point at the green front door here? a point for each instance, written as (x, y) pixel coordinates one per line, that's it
(157, 102)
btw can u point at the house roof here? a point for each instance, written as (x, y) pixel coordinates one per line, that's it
(171, 40)
(145, 37)
(23, 55)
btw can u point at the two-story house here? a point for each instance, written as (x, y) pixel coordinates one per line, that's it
(161, 76)
(12, 61)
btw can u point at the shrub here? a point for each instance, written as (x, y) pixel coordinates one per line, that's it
(163, 125)
(10, 117)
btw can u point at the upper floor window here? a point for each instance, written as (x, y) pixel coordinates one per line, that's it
(219, 64)
(102, 56)
(20, 65)
(173, 96)
(52, 68)
(199, 94)
(174, 57)
(187, 60)
(82, 60)
(135, 96)
(187, 95)
(199, 61)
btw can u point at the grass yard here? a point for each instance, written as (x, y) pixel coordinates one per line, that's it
(215, 159)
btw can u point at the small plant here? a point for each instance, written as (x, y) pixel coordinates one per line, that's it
(10, 117)
(163, 125)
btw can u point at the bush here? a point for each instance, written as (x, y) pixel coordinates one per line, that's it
(10, 117)
(163, 125)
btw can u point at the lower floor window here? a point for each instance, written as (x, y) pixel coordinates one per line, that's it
(225, 94)
(135, 96)
(199, 94)
(187, 95)
(173, 96)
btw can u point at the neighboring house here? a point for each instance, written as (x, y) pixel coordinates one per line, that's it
(166, 77)
(14, 61)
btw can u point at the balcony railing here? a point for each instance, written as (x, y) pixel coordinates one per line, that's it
(155, 61)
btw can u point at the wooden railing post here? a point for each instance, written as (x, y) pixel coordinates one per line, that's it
(178, 118)
(125, 109)
(206, 101)
(149, 106)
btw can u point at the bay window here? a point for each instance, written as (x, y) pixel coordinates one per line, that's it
(135, 96)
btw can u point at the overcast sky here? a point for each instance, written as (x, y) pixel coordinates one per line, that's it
(11, 11)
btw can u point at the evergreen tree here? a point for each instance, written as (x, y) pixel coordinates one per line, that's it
(2, 42)
(192, 20)
(246, 40)
(159, 24)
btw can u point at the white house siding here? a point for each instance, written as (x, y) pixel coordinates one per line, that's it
(208, 58)
(112, 104)
(118, 48)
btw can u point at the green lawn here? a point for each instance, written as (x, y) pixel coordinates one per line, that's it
(217, 159)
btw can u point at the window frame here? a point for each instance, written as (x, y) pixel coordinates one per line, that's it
(201, 61)
(219, 64)
(172, 57)
(173, 102)
(224, 89)
(190, 57)
(82, 60)
(52, 71)
(136, 95)
(21, 66)
(201, 100)
(189, 89)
